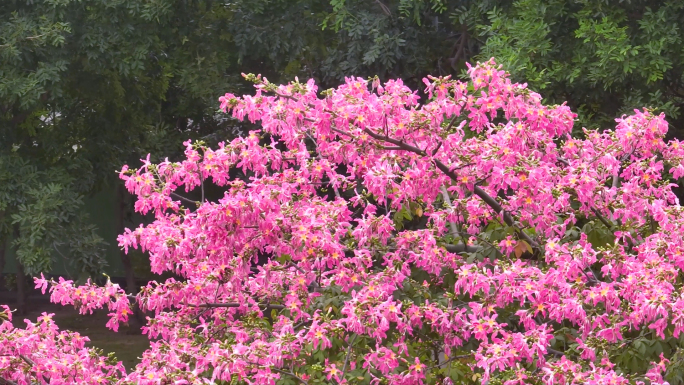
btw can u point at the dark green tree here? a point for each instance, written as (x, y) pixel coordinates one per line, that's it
(604, 58)
(86, 85)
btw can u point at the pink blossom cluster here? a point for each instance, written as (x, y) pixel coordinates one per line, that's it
(41, 353)
(468, 238)
(89, 297)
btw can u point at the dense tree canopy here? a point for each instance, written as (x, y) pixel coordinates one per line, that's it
(604, 58)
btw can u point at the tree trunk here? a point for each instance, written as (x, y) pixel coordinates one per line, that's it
(21, 279)
(131, 286)
(125, 259)
(21, 289)
(3, 247)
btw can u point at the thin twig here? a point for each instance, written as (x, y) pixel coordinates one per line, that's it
(555, 352)
(32, 364)
(439, 145)
(451, 124)
(384, 8)
(602, 219)
(235, 304)
(447, 200)
(491, 202)
(337, 192)
(301, 324)
(303, 272)
(202, 184)
(451, 359)
(26, 38)
(28, 360)
(291, 374)
(616, 179)
(508, 219)
(184, 198)
(461, 248)
(346, 359)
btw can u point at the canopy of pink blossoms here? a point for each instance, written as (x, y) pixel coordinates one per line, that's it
(468, 238)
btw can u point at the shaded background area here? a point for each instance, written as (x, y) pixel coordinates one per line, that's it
(128, 343)
(102, 210)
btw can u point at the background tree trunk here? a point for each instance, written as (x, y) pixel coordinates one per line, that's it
(125, 259)
(21, 279)
(131, 286)
(21, 289)
(3, 246)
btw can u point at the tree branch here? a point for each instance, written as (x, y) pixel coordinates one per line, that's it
(337, 192)
(346, 359)
(555, 352)
(451, 359)
(491, 202)
(27, 360)
(461, 248)
(602, 219)
(29, 38)
(384, 8)
(234, 304)
(399, 143)
(299, 269)
(447, 200)
(184, 198)
(290, 374)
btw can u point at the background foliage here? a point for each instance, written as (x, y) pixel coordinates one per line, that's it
(88, 85)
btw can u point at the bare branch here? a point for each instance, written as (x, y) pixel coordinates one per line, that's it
(337, 192)
(346, 359)
(291, 374)
(555, 352)
(602, 219)
(29, 38)
(447, 200)
(461, 248)
(303, 272)
(27, 360)
(452, 359)
(399, 143)
(384, 8)
(234, 304)
(5, 381)
(184, 198)
(491, 202)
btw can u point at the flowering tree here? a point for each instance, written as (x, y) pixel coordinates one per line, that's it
(469, 239)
